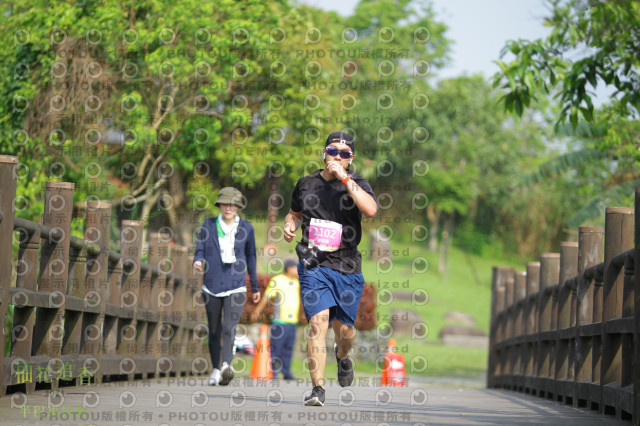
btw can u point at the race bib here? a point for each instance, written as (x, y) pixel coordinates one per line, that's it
(325, 234)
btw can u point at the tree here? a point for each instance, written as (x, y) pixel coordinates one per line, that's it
(607, 34)
(151, 107)
(385, 56)
(592, 43)
(470, 146)
(156, 108)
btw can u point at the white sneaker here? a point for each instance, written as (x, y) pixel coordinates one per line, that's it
(227, 374)
(214, 379)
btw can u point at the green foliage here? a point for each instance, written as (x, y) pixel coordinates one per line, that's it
(476, 156)
(591, 43)
(620, 195)
(179, 92)
(211, 94)
(607, 29)
(183, 95)
(478, 242)
(562, 163)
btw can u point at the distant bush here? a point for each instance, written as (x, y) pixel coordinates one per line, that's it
(474, 241)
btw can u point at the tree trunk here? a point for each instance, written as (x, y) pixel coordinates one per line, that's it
(273, 207)
(172, 215)
(184, 228)
(434, 218)
(445, 246)
(180, 216)
(146, 211)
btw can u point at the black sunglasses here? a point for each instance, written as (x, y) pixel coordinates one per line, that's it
(334, 152)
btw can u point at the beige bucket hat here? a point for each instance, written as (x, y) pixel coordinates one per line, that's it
(231, 195)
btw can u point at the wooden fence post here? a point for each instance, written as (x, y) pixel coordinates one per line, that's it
(177, 349)
(130, 246)
(202, 362)
(500, 275)
(519, 296)
(566, 335)
(191, 316)
(163, 298)
(73, 313)
(509, 315)
(520, 301)
(568, 269)
(549, 273)
(9, 178)
(492, 380)
(146, 318)
(531, 327)
(23, 312)
(492, 330)
(198, 327)
(618, 239)
(158, 289)
(110, 360)
(508, 304)
(590, 245)
(187, 333)
(54, 261)
(98, 230)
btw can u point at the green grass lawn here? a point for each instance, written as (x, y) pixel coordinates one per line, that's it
(467, 289)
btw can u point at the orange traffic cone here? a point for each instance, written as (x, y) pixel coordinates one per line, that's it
(261, 368)
(393, 373)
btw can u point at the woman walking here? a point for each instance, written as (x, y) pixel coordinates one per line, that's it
(225, 251)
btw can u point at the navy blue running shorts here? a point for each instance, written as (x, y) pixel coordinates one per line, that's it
(324, 288)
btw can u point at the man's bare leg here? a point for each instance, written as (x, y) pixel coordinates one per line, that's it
(317, 346)
(345, 335)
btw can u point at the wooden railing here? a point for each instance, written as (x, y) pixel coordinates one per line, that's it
(568, 327)
(85, 314)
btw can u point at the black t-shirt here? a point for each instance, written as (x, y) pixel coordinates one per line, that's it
(317, 198)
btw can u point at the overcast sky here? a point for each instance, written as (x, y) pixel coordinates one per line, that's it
(479, 28)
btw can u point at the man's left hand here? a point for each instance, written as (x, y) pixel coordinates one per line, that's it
(256, 297)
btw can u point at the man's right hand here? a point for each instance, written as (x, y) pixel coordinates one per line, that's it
(289, 232)
(198, 266)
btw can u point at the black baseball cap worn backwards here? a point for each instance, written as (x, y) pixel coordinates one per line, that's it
(342, 138)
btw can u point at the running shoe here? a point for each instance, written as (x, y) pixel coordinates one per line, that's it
(345, 369)
(316, 399)
(214, 379)
(227, 374)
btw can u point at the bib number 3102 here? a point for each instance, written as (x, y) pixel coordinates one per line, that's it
(325, 234)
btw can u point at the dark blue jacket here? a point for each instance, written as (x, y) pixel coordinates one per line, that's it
(218, 276)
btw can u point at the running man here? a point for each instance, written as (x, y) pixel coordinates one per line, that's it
(328, 205)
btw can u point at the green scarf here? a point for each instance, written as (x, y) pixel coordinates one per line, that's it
(221, 233)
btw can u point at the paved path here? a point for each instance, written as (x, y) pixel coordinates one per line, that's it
(189, 401)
